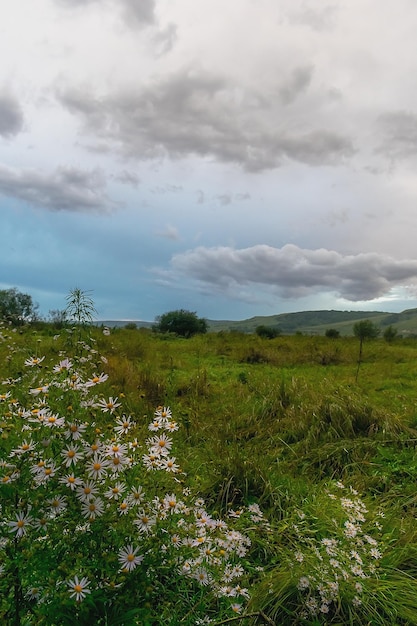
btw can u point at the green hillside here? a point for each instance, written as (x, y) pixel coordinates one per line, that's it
(306, 322)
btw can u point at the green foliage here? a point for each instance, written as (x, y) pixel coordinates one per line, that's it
(365, 329)
(267, 332)
(16, 307)
(80, 307)
(181, 322)
(390, 333)
(332, 333)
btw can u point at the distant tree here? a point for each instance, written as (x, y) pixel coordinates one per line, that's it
(181, 322)
(17, 308)
(57, 317)
(390, 333)
(332, 333)
(131, 326)
(363, 330)
(267, 332)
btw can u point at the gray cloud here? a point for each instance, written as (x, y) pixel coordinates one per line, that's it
(65, 189)
(399, 130)
(170, 232)
(318, 19)
(165, 39)
(134, 12)
(296, 272)
(138, 12)
(128, 178)
(192, 113)
(11, 116)
(296, 84)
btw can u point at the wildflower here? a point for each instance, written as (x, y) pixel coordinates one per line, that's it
(303, 583)
(92, 509)
(93, 448)
(71, 481)
(117, 449)
(74, 431)
(124, 424)
(86, 491)
(136, 495)
(170, 503)
(169, 465)
(375, 553)
(163, 413)
(34, 593)
(25, 446)
(96, 380)
(57, 504)
(37, 390)
(5, 396)
(109, 405)
(78, 588)
(62, 366)
(114, 493)
(34, 361)
(202, 575)
(151, 461)
(40, 523)
(144, 522)
(117, 463)
(160, 445)
(236, 608)
(123, 507)
(128, 558)
(20, 525)
(97, 467)
(43, 472)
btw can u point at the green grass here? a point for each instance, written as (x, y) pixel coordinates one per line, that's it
(277, 422)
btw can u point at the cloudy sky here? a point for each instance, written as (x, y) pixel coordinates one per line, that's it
(231, 157)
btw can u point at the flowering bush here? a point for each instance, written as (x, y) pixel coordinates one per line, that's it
(97, 523)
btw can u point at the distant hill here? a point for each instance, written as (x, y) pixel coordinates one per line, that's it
(306, 322)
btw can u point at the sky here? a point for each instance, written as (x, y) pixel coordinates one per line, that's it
(229, 157)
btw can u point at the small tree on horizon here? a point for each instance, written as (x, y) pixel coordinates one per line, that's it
(180, 322)
(365, 329)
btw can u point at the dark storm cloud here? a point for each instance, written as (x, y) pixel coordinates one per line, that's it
(65, 189)
(192, 113)
(296, 272)
(11, 116)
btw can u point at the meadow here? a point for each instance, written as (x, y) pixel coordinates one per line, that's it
(149, 479)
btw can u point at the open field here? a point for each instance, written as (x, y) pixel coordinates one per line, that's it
(289, 425)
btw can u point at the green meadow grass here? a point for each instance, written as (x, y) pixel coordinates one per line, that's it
(282, 424)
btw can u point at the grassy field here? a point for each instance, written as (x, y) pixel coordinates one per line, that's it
(311, 459)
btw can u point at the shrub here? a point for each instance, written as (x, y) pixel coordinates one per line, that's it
(181, 322)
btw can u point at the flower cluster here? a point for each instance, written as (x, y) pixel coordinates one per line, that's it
(81, 488)
(327, 567)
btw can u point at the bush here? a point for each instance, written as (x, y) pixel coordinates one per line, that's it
(332, 333)
(267, 332)
(181, 322)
